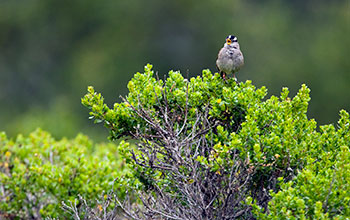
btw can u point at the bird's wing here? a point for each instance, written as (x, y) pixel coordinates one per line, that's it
(221, 53)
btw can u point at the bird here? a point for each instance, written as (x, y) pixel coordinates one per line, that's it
(230, 58)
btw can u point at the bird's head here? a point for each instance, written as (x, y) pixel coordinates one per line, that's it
(230, 39)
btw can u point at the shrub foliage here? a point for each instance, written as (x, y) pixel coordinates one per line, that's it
(213, 149)
(39, 172)
(198, 148)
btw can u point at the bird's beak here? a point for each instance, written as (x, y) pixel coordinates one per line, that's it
(228, 41)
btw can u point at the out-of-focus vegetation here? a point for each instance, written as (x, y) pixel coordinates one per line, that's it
(38, 172)
(51, 50)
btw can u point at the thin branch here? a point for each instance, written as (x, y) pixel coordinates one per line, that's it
(325, 204)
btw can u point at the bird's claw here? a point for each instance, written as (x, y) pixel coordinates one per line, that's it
(234, 77)
(224, 76)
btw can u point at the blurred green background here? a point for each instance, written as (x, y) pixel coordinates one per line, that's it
(51, 50)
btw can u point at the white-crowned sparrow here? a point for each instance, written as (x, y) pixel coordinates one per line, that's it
(230, 58)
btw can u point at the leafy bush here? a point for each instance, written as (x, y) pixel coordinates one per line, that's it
(38, 173)
(322, 189)
(214, 149)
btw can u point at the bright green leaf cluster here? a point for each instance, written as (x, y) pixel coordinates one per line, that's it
(39, 172)
(322, 188)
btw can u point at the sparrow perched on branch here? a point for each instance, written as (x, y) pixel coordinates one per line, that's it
(230, 58)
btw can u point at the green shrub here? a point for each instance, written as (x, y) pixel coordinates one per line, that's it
(38, 173)
(322, 189)
(214, 149)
